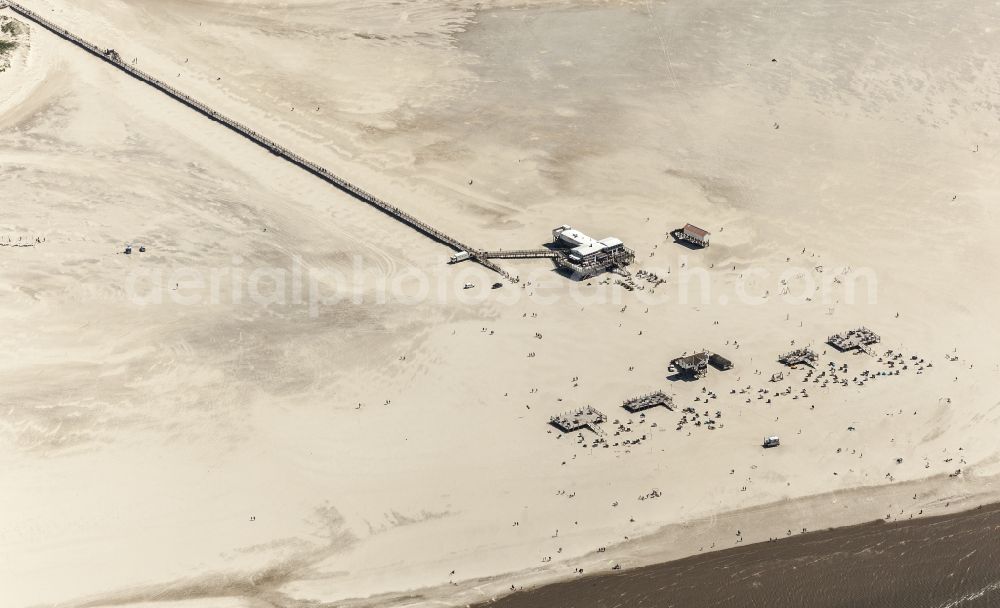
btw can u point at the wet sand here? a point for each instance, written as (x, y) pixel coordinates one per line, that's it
(946, 561)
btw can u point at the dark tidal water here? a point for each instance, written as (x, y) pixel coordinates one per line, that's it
(949, 561)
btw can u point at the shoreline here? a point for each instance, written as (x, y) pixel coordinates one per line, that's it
(834, 512)
(876, 557)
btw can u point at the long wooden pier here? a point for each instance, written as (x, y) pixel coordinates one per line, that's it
(519, 254)
(112, 57)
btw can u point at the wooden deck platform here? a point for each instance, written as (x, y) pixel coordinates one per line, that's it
(575, 420)
(651, 400)
(800, 356)
(855, 339)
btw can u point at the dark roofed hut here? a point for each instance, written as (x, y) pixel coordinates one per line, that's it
(720, 363)
(696, 235)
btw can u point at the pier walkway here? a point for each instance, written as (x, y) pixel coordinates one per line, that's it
(112, 57)
(518, 254)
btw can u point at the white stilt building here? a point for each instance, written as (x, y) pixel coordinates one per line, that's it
(585, 255)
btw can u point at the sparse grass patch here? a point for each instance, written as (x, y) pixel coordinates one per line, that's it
(6, 46)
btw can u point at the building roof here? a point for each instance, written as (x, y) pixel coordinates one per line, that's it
(575, 237)
(610, 242)
(720, 362)
(696, 231)
(587, 249)
(697, 359)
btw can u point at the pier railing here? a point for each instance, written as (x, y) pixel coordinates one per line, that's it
(515, 254)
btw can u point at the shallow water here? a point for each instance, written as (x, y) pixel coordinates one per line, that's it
(951, 561)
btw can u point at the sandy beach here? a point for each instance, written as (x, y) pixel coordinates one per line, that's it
(290, 399)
